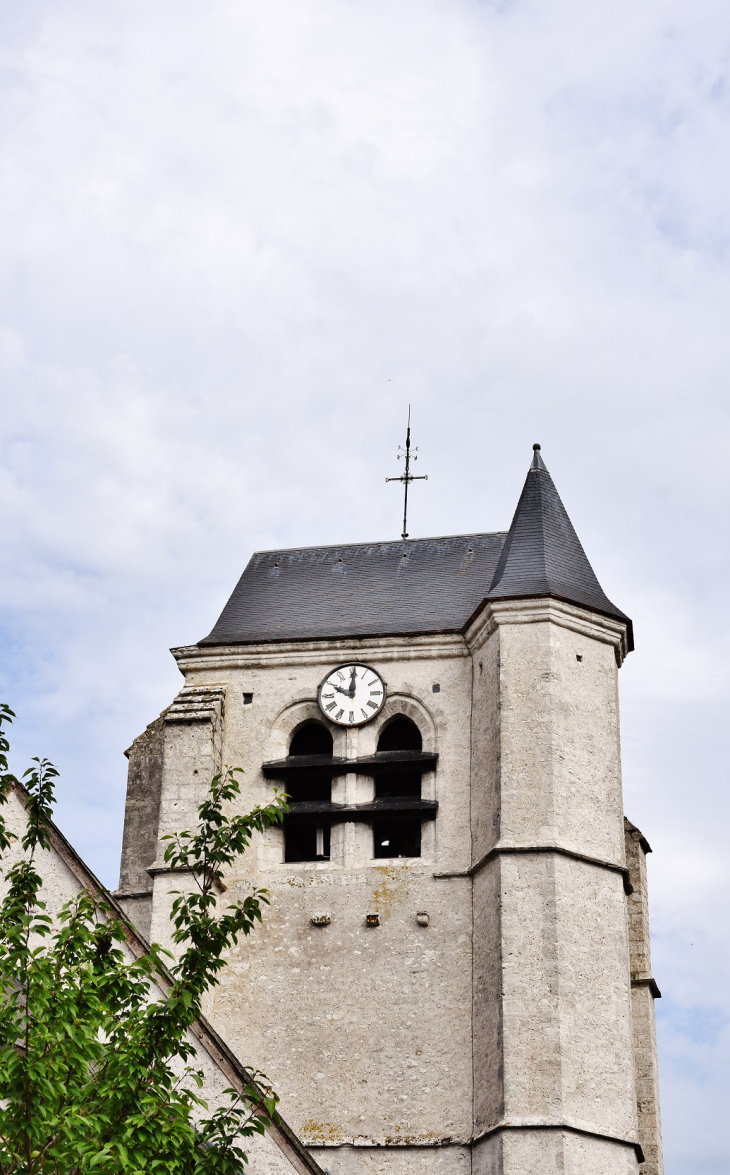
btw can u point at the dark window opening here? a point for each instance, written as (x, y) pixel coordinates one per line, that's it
(397, 838)
(311, 739)
(306, 842)
(398, 783)
(400, 735)
(314, 787)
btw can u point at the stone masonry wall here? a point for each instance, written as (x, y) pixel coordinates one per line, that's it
(643, 993)
(528, 1021)
(360, 1029)
(142, 809)
(141, 820)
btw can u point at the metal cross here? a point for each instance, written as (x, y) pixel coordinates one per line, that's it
(407, 477)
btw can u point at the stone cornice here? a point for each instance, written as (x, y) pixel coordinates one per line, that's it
(420, 647)
(647, 981)
(542, 610)
(587, 1130)
(507, 848)
(527, 1123)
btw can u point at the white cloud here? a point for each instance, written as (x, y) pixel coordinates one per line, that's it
(237, 239)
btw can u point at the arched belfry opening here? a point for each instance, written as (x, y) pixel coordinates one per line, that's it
(397, 778)
(306, 830)
(311, 739)
(396, 811)
(400, 734)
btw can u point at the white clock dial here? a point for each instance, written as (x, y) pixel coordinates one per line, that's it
(351, 694)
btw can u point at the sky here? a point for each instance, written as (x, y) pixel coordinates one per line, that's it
(237, 240)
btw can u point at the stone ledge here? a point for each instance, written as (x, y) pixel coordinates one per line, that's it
(202, 703)
(511, 849)
(650, 982)
(569, 1127)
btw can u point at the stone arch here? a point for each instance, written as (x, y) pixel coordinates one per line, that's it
(411, 708)
(288, 721)
(395, 705)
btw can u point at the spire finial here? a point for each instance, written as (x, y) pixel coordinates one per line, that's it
(407, 477)
(537, 462)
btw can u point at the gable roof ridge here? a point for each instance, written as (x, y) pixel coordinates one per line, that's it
(434, 538)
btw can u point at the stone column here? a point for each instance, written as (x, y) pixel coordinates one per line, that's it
(553, 1049)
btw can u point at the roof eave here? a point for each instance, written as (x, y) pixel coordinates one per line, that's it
(617, 615)
(232, 642)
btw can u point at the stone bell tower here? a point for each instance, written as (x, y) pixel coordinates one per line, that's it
(453, 975)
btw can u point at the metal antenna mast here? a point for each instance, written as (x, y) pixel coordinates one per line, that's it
(407, 477)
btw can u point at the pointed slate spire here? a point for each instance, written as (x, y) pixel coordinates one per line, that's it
(542, 554)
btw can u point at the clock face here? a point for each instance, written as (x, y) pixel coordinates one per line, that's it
(351, 694)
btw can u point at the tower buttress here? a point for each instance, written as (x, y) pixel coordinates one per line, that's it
(553, 1047)
(554, 1080)
(141, 821)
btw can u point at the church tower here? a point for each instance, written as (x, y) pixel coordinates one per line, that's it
(453, 976)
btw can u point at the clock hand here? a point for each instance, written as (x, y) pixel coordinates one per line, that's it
(353, 684)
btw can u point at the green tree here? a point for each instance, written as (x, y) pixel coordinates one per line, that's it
(97, 1073)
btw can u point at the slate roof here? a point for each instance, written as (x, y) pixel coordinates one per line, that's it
(364, 589)
(417, 586)
(542, 555)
